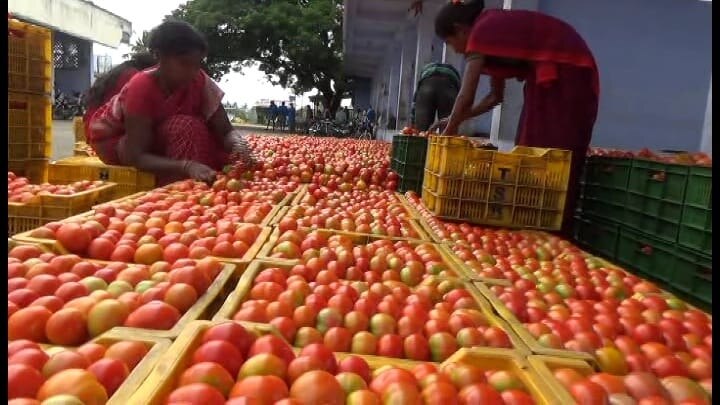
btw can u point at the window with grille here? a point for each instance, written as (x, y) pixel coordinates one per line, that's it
(66, 54)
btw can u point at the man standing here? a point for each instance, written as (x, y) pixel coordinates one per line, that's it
(291, 118)
(282, 115)
(371, 117)
(272, 115)
(436, 91)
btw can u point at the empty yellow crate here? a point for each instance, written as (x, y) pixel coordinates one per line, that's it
(128, 179)
(29, 126)
(23, 217)
(29, 58)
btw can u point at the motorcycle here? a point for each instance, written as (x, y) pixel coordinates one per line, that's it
(66, 107)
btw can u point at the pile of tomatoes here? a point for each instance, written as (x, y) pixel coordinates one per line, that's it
(66, 300)
(21, 190)
(230, 365)
(91, 373)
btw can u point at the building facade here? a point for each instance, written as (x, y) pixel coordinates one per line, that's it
(654, 56)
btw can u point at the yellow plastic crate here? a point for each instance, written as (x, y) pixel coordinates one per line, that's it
(30, 64)
(544, 366)
(522, 332)
(158, 347)
(54, 246)
(240, 294)
(79, 129)
(83, 149)
(29, 126)
(35, 169)
(358, 239)
(23, 217)
(524, 188)
(408, 224)
(58, 207)
(129, 180)
(163, 378)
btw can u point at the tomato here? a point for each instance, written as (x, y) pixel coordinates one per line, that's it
(317, 387)
(23, 381)
(641, 384)
(567, 376)
(29, 323)
(324, 354)
(129, 352)
(357, 365)
(517, 397)
(272, 344)
(463, 375)
(17, 345)
(480, 393)
(64, 360)
(33, 357)
(220, 352)
(669, 366)
(612, 384)
(78, 383)
(196, 394)
(111, 373)
(588, 393)
(393, 375)
(683, 389)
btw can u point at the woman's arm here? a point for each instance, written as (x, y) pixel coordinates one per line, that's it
(136, 152)
(231, 139)
(495, 97)
(466, 96)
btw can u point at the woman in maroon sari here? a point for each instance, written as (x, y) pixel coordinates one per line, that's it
(169, 119)
(561, 78)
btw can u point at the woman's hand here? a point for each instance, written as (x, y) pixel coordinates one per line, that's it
(439, 124)
(238, 147)
(200, 172)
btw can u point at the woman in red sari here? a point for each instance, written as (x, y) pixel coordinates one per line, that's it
(169, 119)
(110, 83)
(561, 78)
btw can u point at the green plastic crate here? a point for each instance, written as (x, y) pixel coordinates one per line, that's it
(658, 180)
(602, 202)
(694, 239)
(666, 210)
(409, 149)
(649, 256)
(597, 235)
(409, 184)
(692, 275)
(651, 225)
(607, 172)
(699, 187)
(410, 176)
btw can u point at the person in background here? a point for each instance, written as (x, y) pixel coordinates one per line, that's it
(282, 115)
(562, 84)
(291, 118)
(169, 119)
(347, 115)
(371, 117)
(272, 115)
(435, 94)
(309, 118)
(111, 82)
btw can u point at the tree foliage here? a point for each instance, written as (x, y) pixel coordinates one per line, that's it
(296, 43)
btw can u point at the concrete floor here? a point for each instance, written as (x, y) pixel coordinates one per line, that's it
(63, 139)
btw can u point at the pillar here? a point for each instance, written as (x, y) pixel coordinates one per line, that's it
(407, 76)
(706, 142)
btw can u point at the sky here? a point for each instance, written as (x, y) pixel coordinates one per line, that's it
(246, 87)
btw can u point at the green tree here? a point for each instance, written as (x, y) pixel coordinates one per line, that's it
(141, 44)
(296, 43)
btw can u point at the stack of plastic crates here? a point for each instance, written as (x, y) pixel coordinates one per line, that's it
(525, 188)
(652, 217)
(29, 105)
(128, 180)
(408, 161)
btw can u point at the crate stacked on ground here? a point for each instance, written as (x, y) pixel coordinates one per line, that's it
(408, 161)
(29, 104)
(128, 180)
(652, 216)
(523, 188)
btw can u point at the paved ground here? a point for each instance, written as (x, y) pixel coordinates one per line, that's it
(63, 139)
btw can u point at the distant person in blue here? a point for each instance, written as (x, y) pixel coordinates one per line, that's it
(291, 118)
(272, 115)
(371, 117)
(282, 115)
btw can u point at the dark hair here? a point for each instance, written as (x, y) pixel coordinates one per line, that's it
(462, 13)
(175, 37)
(97, 94)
